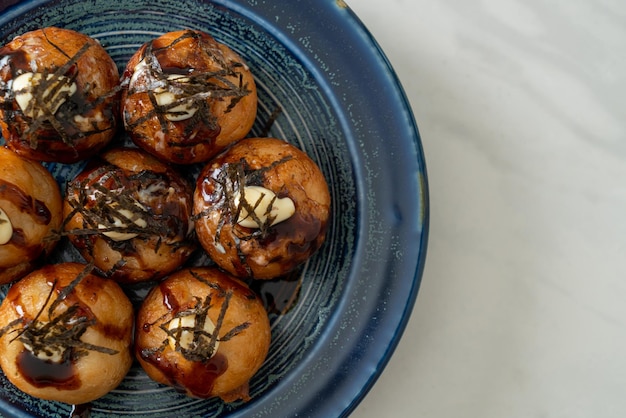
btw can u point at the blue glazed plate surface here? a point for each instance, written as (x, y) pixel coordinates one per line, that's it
(341, 103)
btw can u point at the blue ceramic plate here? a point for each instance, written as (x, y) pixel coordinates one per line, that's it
(337, 321)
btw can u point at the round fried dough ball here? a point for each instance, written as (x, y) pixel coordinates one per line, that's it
(203, 332)
(59, 99)
(60, 326)
(30, 214)
(187, 97)
(261, 208)
(130, 215)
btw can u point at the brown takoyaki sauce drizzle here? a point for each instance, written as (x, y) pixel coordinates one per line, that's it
(210, 364)
(49, 95)
(230, 179)
(193, 89)
(279, 295)
(60, 334)
(81, 410)
(103, 196)
(33, 207)
(42, 373)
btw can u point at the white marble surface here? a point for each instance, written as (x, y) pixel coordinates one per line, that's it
(522, 110)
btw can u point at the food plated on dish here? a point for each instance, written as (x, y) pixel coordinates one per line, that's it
(334, 318)
(185, 99)
(59, 99)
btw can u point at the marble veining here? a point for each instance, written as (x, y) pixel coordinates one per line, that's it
(521, 109)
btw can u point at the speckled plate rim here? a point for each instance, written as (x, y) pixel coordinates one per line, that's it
(393, 196)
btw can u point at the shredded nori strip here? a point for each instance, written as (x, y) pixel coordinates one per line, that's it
(204, 343)
(53, 108)
(101, 206)
(191, 89)
(63, 331)
(231, 179)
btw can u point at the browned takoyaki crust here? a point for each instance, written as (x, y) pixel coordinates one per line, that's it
(30, 214)
(59, 326)
(59, 95)
(281, 223)
(130, 215)
(186, 97)
(203, 332)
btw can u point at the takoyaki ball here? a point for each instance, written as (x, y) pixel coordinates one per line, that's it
(203, 332)
(187, 97)
(30, 214)
(261, 208)
(66, 334)
(129, 214)
(59, 95)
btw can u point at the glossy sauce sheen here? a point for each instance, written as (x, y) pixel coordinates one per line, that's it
(169, 299)
(41, 373)
(196, 60)
(296, 226)
(301, 232)
(200, 378)
(280, 295)
(81, 411)
(198, 382)
(59, 137)
(166, 211)
(18, 60)
(113, 178)
(63, 375)
(36, 209)
(33, 207)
